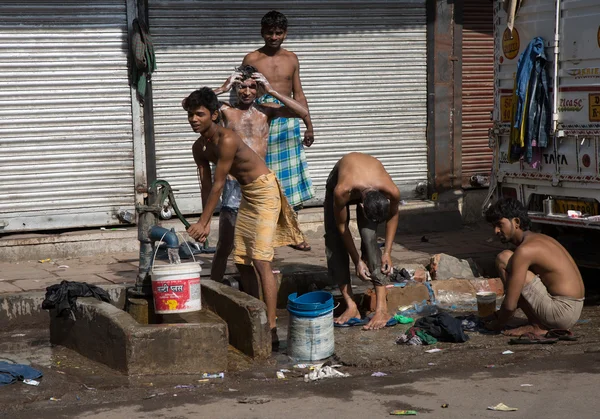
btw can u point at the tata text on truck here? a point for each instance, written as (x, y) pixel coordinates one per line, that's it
(560, 186)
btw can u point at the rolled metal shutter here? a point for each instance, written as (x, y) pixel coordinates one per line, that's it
(66, 147)
(477, 87)
(363, 70)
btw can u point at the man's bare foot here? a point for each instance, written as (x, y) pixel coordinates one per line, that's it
(347, 315)
(378, 321)
(530, 328)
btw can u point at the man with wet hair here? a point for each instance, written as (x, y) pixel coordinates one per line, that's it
(285, 154)
(362, 180)
(250, 121)
(539, 276)
(265, 219)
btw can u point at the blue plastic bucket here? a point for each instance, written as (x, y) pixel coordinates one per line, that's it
(310, 331)
(312, 304)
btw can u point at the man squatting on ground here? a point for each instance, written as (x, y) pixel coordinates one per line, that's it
(285, 154)
(250, 121)
(265, 219)
(362, 180)
(540, 277)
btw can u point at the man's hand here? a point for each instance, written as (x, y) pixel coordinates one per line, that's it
(235, 77)
(309, 137)
(199, 232)
(260, 79)
(386, 264)
(362, 271)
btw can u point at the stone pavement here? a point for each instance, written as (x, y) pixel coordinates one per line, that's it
(475, 241)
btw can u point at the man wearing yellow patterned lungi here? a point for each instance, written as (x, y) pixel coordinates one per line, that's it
(265, 219)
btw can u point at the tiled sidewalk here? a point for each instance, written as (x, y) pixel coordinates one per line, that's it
(471, 241)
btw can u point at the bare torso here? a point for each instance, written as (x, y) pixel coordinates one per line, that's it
(279, 68)
(553, 264)
(252, 125)
(358, 172)
(247, 166)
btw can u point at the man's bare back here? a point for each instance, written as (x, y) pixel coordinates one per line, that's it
(246, 165)
(279, 68)
(553, 264)
(357, 172)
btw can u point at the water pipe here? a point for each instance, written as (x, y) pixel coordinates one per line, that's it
(169, 237)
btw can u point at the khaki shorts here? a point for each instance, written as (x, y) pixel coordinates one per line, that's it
(555, 312)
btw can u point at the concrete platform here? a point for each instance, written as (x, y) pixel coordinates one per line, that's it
(195, 343)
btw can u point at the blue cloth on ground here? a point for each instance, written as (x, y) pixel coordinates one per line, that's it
(9, 373)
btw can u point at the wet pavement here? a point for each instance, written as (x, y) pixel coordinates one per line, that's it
(468, 376)
(84, 388)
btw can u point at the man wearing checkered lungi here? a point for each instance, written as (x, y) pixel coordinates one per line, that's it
(285, 153)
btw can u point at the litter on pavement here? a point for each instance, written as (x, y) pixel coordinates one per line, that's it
(378, 374)
(507, 352)
(219, 375)
(403, 412)
(324, 371)
(501, 407)
(31, 382)
(434, 350)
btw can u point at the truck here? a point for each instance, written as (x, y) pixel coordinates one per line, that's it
(560, 186)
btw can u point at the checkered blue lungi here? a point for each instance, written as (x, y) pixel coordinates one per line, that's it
(286, 157)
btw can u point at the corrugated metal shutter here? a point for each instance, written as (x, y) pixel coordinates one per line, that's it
(477, 87)
(363, 69)
(66, 156)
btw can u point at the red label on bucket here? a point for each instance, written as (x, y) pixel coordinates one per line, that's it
(175, 295)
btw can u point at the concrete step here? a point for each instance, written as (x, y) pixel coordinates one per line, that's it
(415, 217)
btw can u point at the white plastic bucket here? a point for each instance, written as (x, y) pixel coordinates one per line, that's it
(486, 303)
(176, 287)
(310, 331)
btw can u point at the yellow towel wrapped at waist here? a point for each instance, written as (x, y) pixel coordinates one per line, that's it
(265, 220)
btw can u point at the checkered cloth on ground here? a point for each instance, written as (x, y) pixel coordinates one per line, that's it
(286, 157)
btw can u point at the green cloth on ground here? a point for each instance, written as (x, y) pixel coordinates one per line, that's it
(426, 338)
(403, 319)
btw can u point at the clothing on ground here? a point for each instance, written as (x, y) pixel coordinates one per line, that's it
(9, 373)
(63, 296)
(416, 336)
(265, 221)
(443, 327)
(338, 259)
(286, 157)
(231, 195)
(555, 312)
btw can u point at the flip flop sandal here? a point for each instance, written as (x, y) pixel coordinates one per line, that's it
(303, 247)
(353, 321)
(561, 334)
(532, 339)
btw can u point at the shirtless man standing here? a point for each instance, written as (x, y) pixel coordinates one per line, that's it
(540, 277)
(250, 121)
(285, 155)
(264, 220)
(362, 180)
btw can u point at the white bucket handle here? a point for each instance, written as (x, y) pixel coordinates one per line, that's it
(185, 241)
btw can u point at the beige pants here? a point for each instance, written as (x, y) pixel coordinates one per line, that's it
(554, 311)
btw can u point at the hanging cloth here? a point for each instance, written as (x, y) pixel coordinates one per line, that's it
(142, 60)
(530, 92)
